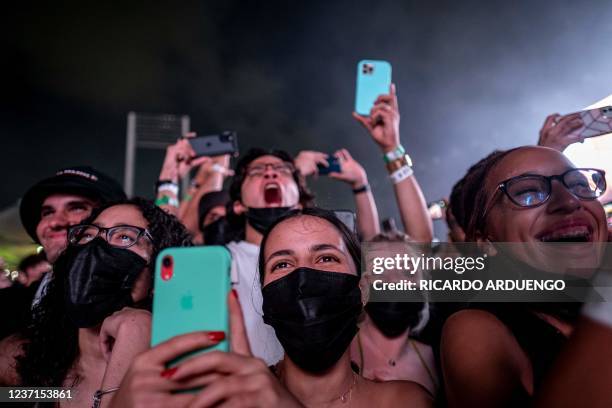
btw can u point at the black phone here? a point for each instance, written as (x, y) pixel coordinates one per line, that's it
(215, 145)
(334, 166)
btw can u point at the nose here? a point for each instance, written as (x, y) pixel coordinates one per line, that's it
(59, 220)
(270, 173)
(561, 199)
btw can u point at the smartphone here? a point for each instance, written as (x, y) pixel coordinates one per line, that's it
(348, 218)
(334, 166)
(437, 209)
(215, 145)
(373, 79)
(191, 288)
(597, 122)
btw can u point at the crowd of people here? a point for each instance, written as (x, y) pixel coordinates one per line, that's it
(303, 332)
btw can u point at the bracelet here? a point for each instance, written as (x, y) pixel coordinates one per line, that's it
(217, 168)
(402, 174)
(97, 398)
(172, 188)
(394, 154)
(397, 164)
(167, 200)
(362, 189)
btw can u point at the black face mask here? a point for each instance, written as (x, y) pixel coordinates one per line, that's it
(314, 315)
(217, 232)
(262, 218)
(98, 280)
(394, 318)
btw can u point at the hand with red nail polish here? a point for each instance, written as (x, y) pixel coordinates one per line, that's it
(150, 383)
(227, 376)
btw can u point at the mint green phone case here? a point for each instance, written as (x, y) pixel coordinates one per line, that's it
(194, 298)
(373, 79)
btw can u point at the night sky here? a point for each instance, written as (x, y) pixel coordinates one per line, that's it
(471, 77)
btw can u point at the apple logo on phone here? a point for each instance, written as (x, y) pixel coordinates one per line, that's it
(187, 301)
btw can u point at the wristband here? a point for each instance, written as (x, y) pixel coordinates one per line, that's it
(217, 168)
(166, 185)
(394, 154)
(362, 189)
(402, 174)
(166, 200)
(172, 188)
(397, 164)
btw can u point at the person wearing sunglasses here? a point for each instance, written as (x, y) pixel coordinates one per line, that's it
(96, 316)
(496, 355)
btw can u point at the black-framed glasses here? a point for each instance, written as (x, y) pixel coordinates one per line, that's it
(258, 170)
(533, 190)
(120, 236)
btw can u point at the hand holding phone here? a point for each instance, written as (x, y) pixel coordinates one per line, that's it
(334, 166)
(558, 132)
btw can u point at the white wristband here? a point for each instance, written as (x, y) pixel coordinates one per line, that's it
(401, 174)
(169, 187)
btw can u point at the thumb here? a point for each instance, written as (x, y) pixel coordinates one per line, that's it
(239, 342)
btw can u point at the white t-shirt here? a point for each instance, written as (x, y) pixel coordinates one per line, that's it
(245, 279)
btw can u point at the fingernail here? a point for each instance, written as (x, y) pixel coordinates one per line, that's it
(169, 372)
(216, 336)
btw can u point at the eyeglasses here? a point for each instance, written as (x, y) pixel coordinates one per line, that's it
(258, 170)
(533, 190)
(121, 236)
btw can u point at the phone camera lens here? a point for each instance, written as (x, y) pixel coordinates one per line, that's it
(167, 262)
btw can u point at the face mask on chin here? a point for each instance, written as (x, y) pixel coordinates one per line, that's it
(314, 315)
(98, 280)
(262, 218)
(394, 318)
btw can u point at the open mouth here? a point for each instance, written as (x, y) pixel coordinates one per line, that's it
(272, 194)
(569, 234)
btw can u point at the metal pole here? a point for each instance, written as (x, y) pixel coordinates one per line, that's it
(184, 130)
(130, 154)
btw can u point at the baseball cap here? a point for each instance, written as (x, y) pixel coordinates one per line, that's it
(210, 201)
(78, 180)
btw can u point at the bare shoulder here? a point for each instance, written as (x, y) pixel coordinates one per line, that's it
(398, 393)
(10, 348)
(487, 341)
(476, 330)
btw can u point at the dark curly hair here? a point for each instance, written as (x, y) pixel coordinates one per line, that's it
(349, 238)
(238, 222)
(51, 339)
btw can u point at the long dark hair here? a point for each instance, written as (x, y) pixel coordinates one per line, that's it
(349, 238)
(51, 339)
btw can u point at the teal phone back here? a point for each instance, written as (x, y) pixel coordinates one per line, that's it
(193, 295)
(373, 79)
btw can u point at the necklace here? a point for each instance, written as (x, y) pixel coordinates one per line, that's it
(344, 398)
